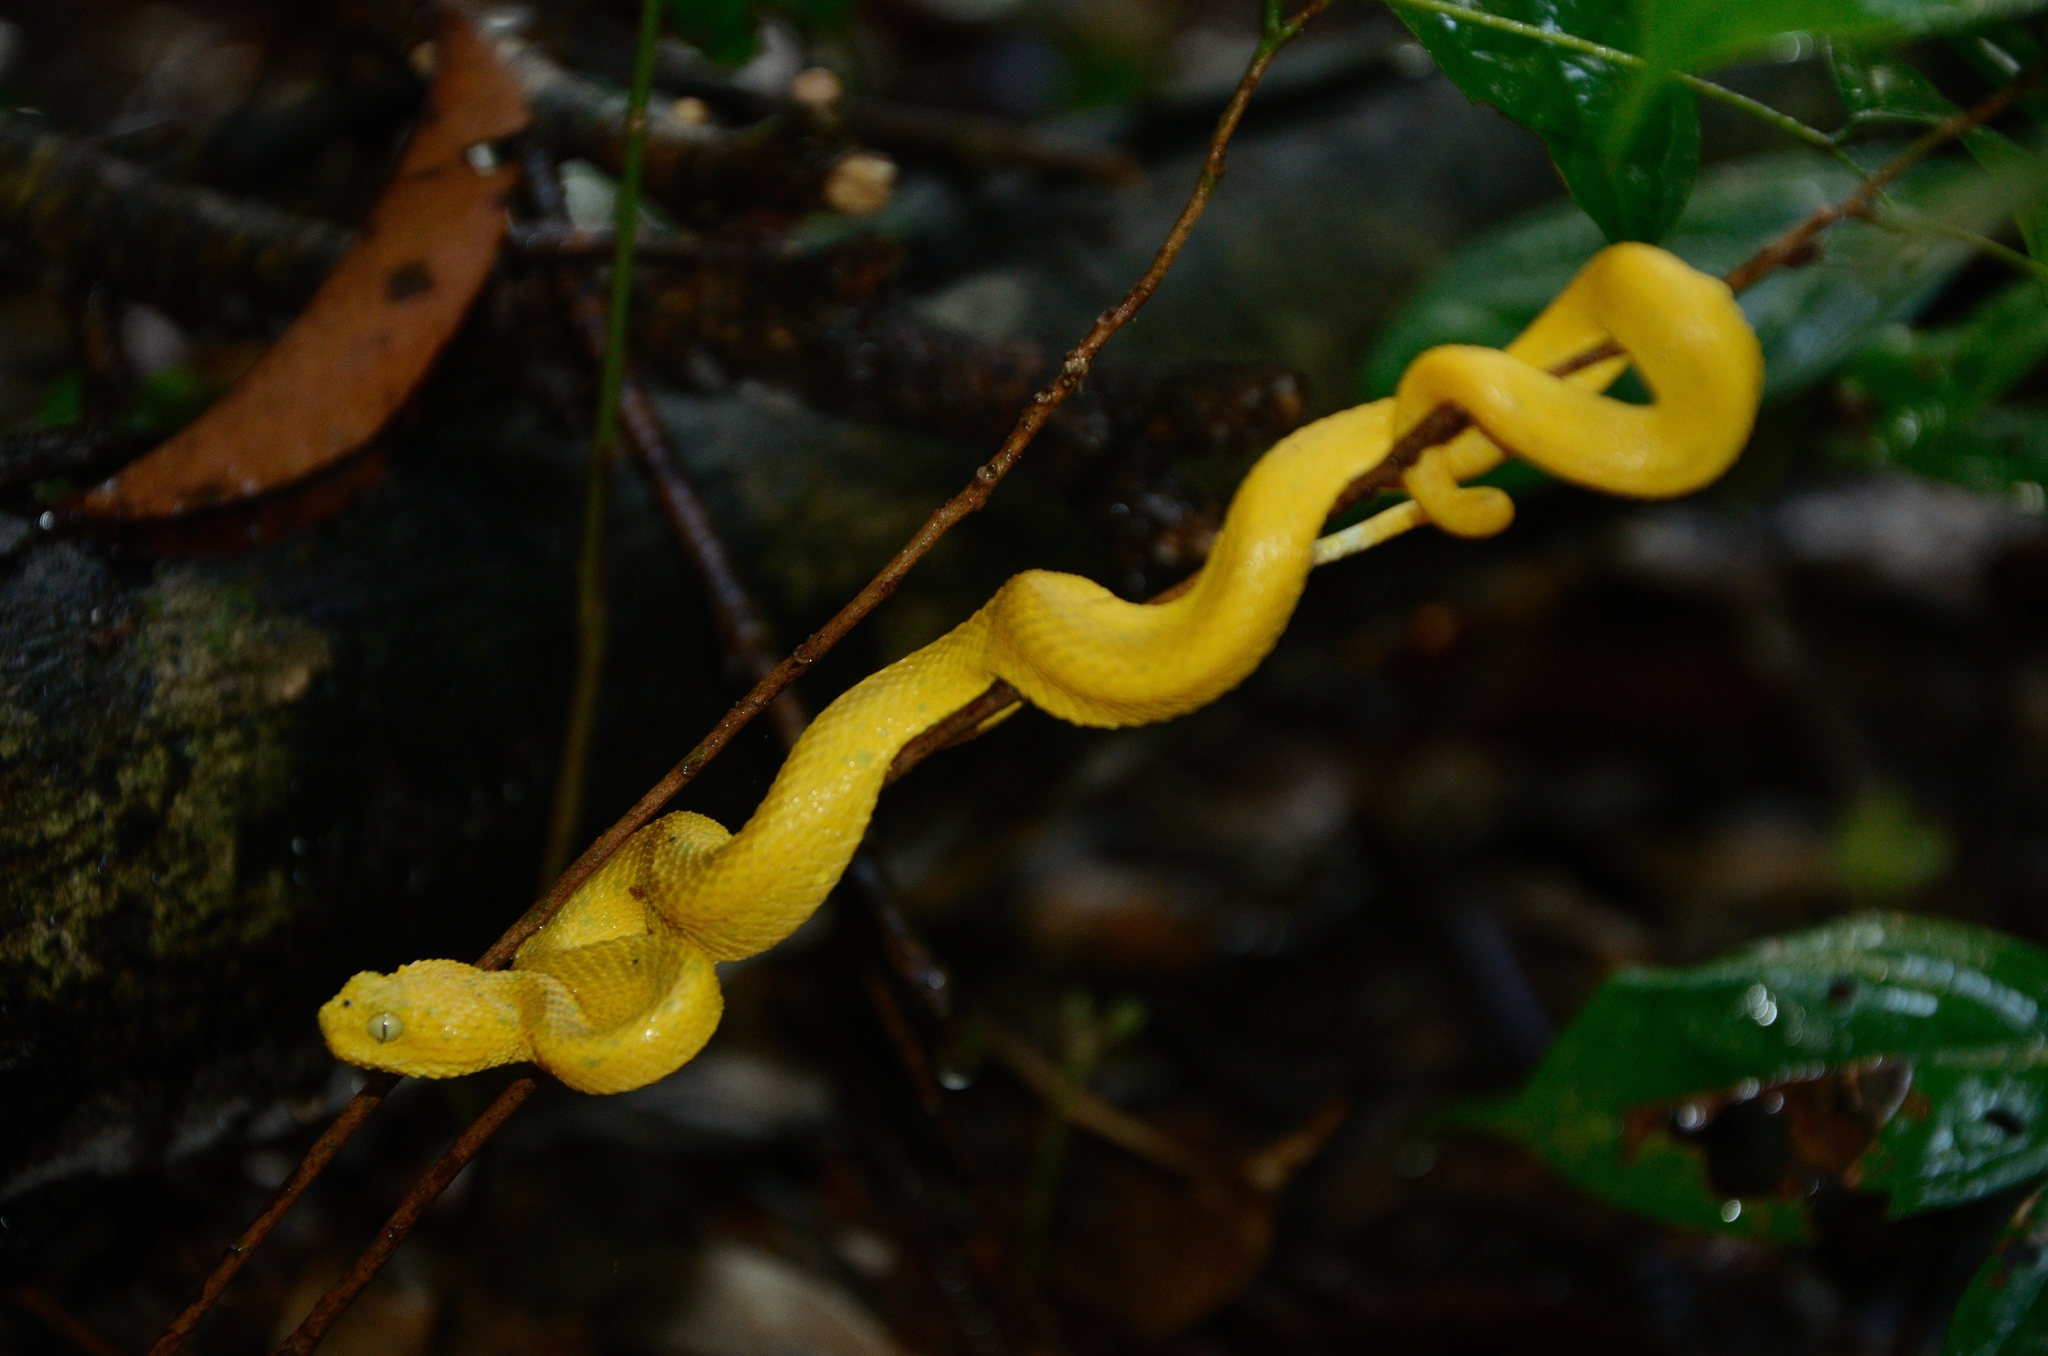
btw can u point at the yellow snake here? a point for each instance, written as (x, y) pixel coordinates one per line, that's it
(618, 990)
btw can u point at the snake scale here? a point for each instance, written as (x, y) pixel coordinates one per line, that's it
(619, 990)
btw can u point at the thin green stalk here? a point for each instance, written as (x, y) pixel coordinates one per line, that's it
(1706, 89)
(591, 612)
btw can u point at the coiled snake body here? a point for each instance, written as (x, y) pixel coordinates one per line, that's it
(618, 990)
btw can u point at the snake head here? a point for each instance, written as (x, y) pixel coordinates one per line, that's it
(432, 1019)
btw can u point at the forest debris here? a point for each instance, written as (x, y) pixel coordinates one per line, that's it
(1157, 1254)
(197, 254)
(696, 169)
(748, 1301)
(1088, 1111)
(374, 328)
(823, 322)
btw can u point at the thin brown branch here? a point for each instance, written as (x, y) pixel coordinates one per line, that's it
(742, 631)
(1796, 245)
(422, 1194)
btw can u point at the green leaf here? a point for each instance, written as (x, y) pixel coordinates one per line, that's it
(1926, 397)
(63, 403)
(1882, 1053)
(1698, 35)
(1634, 188)
(722, 29)
(1808, 319)
(2001, 1314)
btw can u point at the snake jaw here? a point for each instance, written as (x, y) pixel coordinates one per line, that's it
(434, 1019)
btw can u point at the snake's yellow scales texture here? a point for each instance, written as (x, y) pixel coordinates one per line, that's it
(618, 990)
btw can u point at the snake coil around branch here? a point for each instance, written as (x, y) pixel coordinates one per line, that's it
(618, 989)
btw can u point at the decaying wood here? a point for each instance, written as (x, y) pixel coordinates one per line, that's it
(696, 170)
(200, 256)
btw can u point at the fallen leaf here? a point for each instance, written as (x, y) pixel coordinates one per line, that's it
(361, 346)
(1156, 1252)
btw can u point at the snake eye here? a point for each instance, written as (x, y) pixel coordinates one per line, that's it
(385, 1026)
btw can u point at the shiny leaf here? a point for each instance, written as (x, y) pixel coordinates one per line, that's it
(1926, 397)
(1698, 35)
(1883, 1053)
(1634, 188)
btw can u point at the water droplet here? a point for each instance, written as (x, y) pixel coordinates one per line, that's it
(1731, 1211)
(1690, 1116)
(1762, 1008)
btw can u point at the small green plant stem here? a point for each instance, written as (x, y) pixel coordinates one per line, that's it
(1706, 89)
(1087, 1036)
(591, 611)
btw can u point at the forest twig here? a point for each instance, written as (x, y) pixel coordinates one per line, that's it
(591, 609)
(742, 631)
(1795, 245)
(787, 162)
(423, 1192)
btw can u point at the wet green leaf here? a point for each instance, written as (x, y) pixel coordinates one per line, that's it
(1698, 35)
(1883, 1053)
(63, 402)
(722, 29)
(2001, 1314)
(1808, 319)
(1634, 188)
(1926, 397)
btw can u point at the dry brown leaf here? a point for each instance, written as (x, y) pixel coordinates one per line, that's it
(1157, 1253)
(350, 360)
